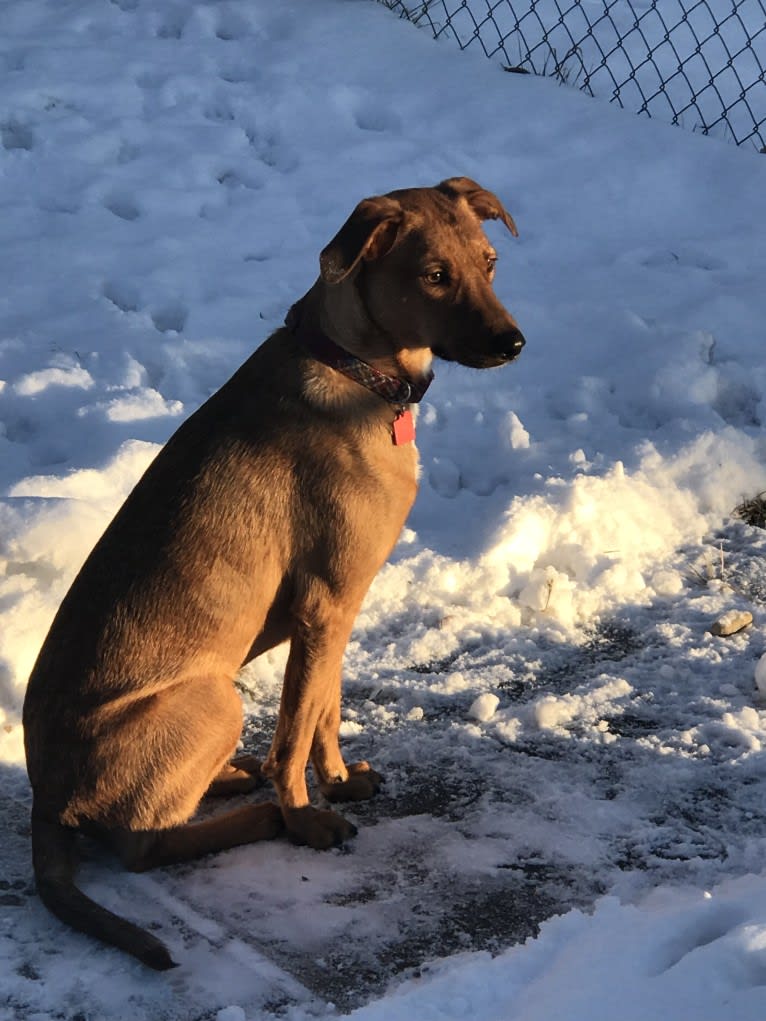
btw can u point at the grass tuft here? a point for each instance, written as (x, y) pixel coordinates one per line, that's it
(753, 511)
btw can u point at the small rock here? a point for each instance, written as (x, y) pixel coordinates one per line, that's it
(731, 622)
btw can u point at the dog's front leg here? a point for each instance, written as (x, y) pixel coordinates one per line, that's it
(310, 694)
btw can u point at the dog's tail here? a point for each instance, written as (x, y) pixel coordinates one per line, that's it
(55, 862)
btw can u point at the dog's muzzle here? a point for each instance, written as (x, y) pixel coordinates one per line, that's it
(497, 349)
(504, 348)
(508, 346)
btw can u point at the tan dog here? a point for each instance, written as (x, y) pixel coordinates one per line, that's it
(264, 519)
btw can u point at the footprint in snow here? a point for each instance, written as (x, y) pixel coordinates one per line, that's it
(737, 403)
(15, 61)
(744, 959)
(238, 74)
(231, 26)
(14, 135)
(444, 477)
(170, 318)
(365, 110)
(122, 295)
(273, 152)
(127, 152)
(219, 110)
(20, 429)
(681, 257)
(172, 27)
(712, 922)
(238, 179)
(122, 206)
(370, 116)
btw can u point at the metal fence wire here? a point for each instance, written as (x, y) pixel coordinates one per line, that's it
(698, 63)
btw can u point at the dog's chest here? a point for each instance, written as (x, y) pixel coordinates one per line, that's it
(400, 470)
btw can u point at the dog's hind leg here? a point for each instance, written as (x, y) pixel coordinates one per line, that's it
(152, 848)
(361, 783)
(240, 776)
(195, 748)
(338, 781)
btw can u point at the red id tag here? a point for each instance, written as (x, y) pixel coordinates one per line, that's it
(404, 428)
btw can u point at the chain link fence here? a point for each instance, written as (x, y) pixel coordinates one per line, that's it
(698, 63)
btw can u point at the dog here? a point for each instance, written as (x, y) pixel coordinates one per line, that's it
(264, 519)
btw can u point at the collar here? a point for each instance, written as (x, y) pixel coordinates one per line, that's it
(391, 388)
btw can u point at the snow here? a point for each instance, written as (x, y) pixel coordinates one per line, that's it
(760, 674)
(681, 955)
(573, 821)
(483, 708)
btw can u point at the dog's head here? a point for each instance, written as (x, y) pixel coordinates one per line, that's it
(422, 267)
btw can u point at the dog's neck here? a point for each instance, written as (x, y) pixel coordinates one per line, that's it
(399, 390)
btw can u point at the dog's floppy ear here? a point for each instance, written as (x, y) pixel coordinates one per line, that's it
(369, 233)
(485, 204)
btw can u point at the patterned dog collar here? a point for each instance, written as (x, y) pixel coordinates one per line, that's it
(391, 388)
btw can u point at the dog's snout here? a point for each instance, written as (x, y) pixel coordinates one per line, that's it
(508, 345)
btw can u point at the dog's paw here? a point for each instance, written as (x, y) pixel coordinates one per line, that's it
(317, 828)
(363, 783)
(240, 776)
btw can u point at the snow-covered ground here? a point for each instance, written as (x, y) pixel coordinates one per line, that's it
(572, 759)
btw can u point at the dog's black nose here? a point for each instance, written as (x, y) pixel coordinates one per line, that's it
(509, 345)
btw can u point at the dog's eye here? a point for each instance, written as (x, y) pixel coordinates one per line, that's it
(436, 277)
(491, 260)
